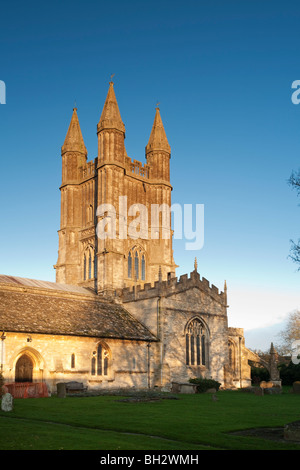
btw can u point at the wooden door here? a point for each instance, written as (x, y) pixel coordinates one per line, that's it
(24, 368)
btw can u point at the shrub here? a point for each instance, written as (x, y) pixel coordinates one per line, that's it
(204, 384)
(259, 374)
(289, 373)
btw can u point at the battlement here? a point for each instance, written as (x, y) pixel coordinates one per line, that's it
(89, 170)
(136, 168)
(170, 287)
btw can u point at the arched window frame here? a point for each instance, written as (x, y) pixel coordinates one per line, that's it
(232, 354)
(136, 264)
(73, 361)
(101, 361)
(196, 342)
(129, 265)
(89, 263)
(143, 267)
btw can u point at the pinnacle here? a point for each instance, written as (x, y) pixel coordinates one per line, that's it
(74, 141)
(158, 139)
(111, 117)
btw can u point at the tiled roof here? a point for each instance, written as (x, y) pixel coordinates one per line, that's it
(25, 306)
(24, 282)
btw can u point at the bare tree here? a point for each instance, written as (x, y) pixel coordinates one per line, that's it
(294, 181)
(292, 331)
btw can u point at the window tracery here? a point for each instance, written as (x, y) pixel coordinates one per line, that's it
(196, 347)
(136, 264)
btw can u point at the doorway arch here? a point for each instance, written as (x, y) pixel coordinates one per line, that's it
(24, 369)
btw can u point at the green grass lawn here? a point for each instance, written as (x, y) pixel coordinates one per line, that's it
(192, 422)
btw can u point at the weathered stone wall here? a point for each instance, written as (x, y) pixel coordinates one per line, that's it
(51, 358)
(166, 309)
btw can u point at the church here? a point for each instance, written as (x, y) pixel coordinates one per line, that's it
(117, 315)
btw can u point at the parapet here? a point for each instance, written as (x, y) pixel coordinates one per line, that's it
(235, 331)
(136, 168)
(170, 287)
(89, 170)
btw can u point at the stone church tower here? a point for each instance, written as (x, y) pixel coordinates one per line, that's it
(117, 194)
(117, 316)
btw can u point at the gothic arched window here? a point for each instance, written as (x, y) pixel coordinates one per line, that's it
(143, 268)
(100, 360)
(89, 264)
(73, 361)
(195, 343)
(136, 266)
(231, 352)
(129, 265)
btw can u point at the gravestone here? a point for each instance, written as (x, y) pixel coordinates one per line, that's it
(296, 387)
(273, 365)
(292, 431)
(7, 402)
(61, 390)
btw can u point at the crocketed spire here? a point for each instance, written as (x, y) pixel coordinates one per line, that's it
(74, 140)
(158, 139)
(111, 117)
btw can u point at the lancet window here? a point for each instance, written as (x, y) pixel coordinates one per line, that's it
(89, 264)
(136, 264)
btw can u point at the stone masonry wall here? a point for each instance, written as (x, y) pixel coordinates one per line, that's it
(51, 357)
(166, 309)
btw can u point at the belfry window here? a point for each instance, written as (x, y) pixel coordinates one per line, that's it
(143, 268)
(100, 360)
(195, 343)
(89, 264)
(136, 266)
(129, 265)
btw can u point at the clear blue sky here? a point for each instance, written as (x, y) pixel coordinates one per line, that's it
(222, 72)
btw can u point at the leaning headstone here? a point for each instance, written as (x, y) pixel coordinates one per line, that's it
(61, 390)
(7, 402)
(296, 387)
(292, 431)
